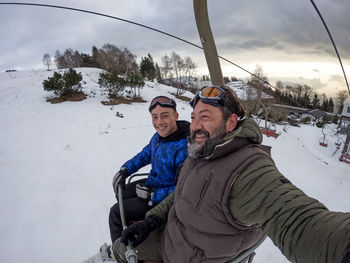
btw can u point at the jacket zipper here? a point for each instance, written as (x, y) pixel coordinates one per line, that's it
(185, 176)
(204, 187)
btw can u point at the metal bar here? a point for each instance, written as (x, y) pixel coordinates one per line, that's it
(207, 40)
(130, 253)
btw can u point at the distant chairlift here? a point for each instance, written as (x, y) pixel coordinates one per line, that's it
(345, 156)
(323, 141)
(338, 142)
(270, 131)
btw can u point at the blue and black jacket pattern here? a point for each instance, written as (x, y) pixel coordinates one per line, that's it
(165, 154)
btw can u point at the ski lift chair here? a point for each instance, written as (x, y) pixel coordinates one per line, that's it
(323, 142)
(345, 156)
(338, 142)
(270, 132)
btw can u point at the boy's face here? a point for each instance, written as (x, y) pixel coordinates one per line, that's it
(164, 120)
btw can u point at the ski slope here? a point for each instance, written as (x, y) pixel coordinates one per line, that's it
(57, 162)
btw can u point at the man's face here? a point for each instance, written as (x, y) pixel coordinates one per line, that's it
(207, 122)
(164, 120)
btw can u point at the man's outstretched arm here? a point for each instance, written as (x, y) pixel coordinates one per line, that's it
(301, 227)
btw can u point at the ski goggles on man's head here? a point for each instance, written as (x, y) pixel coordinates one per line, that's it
(209, 95)
(162, 101)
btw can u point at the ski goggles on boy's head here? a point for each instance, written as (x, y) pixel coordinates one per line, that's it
(162, 101)
(212, 95)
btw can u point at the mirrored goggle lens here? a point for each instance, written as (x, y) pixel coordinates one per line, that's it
(211, 92)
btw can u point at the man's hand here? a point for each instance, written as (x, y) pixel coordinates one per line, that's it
(119, 178)
(138, 232)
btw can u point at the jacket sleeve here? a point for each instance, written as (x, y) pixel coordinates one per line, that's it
(162, 209)
(140, 160)
(301, 227)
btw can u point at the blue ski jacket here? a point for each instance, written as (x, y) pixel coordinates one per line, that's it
(165, 154)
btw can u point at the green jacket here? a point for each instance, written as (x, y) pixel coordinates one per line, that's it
(303, 228)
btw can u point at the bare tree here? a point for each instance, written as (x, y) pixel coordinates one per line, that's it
(47, 60)
(178, 66)
(190, 67)
(177, 71)
(59, 60)
(258, 84)
(166, 68)
(127, 62)
(115, 60)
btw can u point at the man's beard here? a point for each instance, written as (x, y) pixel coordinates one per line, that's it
(196, 150)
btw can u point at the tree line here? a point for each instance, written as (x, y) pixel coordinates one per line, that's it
(298, 95)
(174, 70)
(179, 71)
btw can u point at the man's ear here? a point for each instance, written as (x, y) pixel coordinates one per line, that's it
(231, 122)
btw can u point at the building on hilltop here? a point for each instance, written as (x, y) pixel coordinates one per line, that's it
(246, 92)
(314, 115)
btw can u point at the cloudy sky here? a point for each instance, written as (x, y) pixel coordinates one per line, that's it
(286, 38)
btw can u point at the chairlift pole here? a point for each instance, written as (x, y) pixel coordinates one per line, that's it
(207, 40)
(346, 144)
(345, 156)
(130, 254)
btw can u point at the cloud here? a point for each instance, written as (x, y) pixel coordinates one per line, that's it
(336, 78)
(244, 31)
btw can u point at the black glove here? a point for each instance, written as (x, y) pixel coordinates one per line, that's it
(346, 259)
(119, 178)
(138, 232)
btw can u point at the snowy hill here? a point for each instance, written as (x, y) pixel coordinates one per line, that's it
(57, 162)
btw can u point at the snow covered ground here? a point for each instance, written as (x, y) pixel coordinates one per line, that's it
(57, 162)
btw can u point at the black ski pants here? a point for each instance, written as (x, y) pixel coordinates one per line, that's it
(135, 209)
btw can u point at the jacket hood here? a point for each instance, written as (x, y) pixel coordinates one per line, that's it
(250, 130)
(247, 132)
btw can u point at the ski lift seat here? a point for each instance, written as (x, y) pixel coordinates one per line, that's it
(345, 157)
(338, 142)
(323, 142)
(269, 132)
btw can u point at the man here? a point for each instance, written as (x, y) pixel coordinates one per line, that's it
(166, 150)
(229, 194)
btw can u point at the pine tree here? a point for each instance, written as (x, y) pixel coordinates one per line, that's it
(112, 83)
(64, 85)
(325, 105)
(315, 102)
(147, 68)
(330, 105)
(95, 57)
(158, 74)
(340, 99)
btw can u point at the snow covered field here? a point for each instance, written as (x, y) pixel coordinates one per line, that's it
(57, 162)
